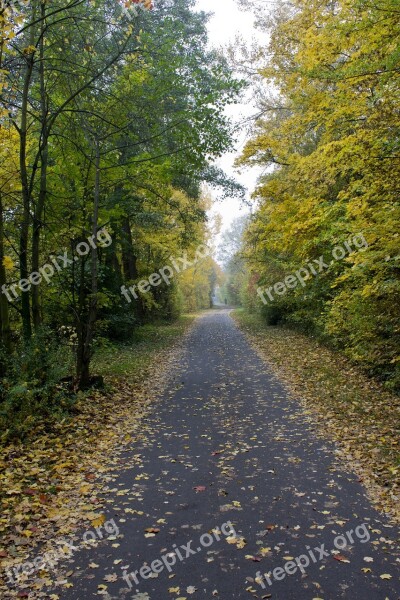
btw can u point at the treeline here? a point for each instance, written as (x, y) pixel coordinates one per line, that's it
(328, 138)
(111, 114)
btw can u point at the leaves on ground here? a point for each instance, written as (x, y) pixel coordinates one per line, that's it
(50, 487)
(354, 410)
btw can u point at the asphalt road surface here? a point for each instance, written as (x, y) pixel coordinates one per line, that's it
(229, 478)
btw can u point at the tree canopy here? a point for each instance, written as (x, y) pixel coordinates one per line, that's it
(328, 135)
(112, 114)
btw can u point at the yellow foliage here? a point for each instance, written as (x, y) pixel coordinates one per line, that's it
(8, 263)
(331, 136)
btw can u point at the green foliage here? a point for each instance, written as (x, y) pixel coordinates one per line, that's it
(33, 394)
(117, 327)
(135, 358)
(120, 134)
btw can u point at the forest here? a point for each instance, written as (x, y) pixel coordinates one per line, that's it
(111, 116)
(199, 299)
(327, 139)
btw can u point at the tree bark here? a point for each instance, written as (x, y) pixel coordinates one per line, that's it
(25, 185)
(129, 259)
(87, 329)
(44, 152)
(4, 312)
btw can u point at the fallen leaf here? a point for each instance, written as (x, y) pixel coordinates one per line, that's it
(341, 558)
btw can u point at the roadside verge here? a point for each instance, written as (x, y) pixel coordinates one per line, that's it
(50, 485)
(356, 412)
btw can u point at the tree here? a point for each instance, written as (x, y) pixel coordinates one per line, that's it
(331, 138)
(116, 137)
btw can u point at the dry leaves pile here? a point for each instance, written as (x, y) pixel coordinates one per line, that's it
(357, 412)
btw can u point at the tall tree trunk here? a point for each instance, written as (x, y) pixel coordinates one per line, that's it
(83, 366)
(4, 313)
(129, 259)
(111, 260)
(24, 232)
(43, 150)
(25, 185)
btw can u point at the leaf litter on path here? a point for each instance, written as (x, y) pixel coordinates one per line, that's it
(358, 413)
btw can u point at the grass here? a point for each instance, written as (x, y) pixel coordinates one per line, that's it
(351, 408)
(29, 413)
(134, 359)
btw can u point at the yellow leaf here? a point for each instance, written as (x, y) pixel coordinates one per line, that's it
(8, 263)
(98, 521)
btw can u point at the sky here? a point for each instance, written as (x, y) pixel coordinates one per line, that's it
(226, 23)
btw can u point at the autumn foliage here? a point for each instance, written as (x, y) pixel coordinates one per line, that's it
(110, 119)
(328, 138)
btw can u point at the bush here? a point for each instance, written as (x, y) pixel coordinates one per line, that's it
(119, 327)
(32, 391)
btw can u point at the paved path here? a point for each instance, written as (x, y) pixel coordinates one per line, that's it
(226, 450)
